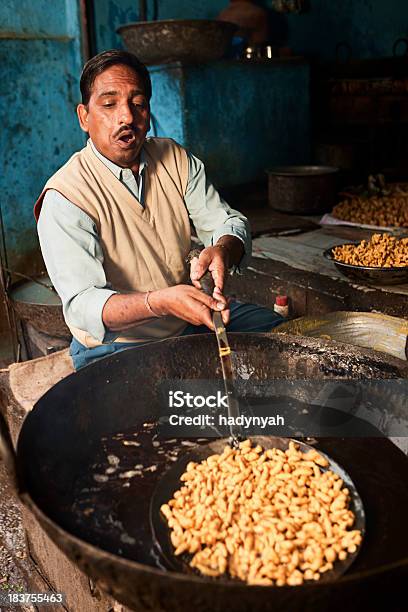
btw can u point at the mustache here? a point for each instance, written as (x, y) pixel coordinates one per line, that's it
(124, 129)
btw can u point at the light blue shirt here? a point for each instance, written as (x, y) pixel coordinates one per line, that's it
(73, 255)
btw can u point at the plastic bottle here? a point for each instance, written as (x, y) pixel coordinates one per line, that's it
(281, 305)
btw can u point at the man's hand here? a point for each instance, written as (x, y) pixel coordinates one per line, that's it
(215, 260)
(187, 303)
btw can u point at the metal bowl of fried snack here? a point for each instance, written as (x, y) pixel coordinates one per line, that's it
(382, 260)
(273, 512)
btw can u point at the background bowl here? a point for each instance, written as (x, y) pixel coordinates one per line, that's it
(185, 40)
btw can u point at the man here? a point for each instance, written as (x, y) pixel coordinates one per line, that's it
(114, 226)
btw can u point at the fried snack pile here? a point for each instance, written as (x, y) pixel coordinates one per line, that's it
(378, 211)
(383, 211)
(381, 251)
(266, 517)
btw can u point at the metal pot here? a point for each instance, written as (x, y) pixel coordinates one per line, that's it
(184, 40)
(303, 190)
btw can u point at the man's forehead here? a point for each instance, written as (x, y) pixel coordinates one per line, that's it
(117, 78)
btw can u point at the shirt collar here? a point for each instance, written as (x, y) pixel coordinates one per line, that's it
(114, 168)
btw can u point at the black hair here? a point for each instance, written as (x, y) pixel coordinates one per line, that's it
(101, 62)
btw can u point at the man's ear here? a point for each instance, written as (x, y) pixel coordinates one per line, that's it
(82, 113)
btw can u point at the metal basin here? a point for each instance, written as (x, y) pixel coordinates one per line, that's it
(184, 40)
(39, 306)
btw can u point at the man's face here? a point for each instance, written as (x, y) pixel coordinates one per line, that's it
(117, 116)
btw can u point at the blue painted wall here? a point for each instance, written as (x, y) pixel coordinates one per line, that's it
(243, 119)
(239, 118)
(40, 60)
(168, 102)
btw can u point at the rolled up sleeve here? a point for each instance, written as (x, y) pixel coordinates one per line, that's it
(74, 260)
(211, 215)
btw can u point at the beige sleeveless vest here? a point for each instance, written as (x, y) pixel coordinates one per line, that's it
(144, 248)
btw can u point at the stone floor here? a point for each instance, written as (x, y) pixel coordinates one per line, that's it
(15, 566)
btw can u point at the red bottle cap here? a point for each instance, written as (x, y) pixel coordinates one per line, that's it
(281, 300)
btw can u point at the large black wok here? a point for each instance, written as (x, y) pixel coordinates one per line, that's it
(104, 418)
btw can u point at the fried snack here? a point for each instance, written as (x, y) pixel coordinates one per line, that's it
(381, 251)
(381, 210)
(266, 517)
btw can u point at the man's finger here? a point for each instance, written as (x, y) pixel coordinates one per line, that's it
(217, 295)
(193, 268)
(201, 265)
(218, 276)
(225, 314)
(209, 301)
(207, 319)
(218, 270)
